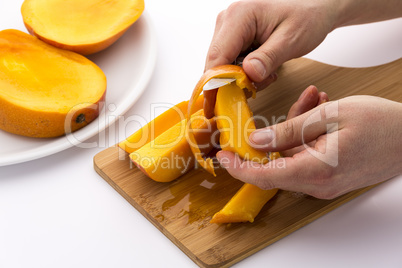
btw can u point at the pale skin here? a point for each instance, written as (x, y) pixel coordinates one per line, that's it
(349, 155)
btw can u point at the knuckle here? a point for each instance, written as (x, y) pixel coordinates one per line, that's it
(217, 56)
(256, 175)
(270, 58)
(236, 6)
(325, 185)
(221, 16)
(288, 132)
(263, 182)
(214, 52)
(324, 177)
(326, 194)
(233, 9)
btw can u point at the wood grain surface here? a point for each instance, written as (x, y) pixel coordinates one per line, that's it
(182, 209)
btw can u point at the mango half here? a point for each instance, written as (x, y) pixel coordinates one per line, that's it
(45, 91)
(83, 26)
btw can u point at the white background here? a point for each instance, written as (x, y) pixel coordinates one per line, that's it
(57, 212)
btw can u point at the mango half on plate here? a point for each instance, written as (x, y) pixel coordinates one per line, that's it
(46, 91)
(83, 26)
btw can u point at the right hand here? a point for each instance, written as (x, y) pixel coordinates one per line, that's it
(284, 29)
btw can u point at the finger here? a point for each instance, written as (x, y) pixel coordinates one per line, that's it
(287, 173)
(270, 55)
(209, 102)
(291, 133)
(234, 32)
(246, 171)
(307, 101)
(260, 86)
(322, 98)
(210, 97)
(264, 84)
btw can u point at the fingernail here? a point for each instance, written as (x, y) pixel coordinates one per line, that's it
(302, 95)
(307, 92)
(262, 137)
(258, 67)
(273, 76)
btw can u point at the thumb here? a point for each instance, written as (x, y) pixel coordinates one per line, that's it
(263, 61)
(291, 133)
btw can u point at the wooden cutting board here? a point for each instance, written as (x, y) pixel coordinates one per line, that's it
(182, 209)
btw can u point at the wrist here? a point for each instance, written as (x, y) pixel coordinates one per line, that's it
(393, 129)
(398, 133)
(351, 12)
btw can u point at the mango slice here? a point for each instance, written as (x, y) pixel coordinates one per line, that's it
(83, 26)
(246, 204)
(224, 71)
(46, 91)
(169, 156)
(235, 123)
(158, 125)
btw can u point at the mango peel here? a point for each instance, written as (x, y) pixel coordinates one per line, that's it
(224, 71)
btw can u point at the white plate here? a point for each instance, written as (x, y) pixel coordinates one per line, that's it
(128, 65)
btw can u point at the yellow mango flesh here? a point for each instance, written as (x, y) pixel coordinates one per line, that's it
(84, 26)
(235, 123)
(158, 125)
(223, 71)
(245, 205)
(169, 155)
(42, 86)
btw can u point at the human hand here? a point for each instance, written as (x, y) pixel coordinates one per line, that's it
(352, 143)
(284, 29)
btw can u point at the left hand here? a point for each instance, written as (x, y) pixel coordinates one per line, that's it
(330, 150)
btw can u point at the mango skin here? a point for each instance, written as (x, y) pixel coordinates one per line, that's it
(38, 97)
